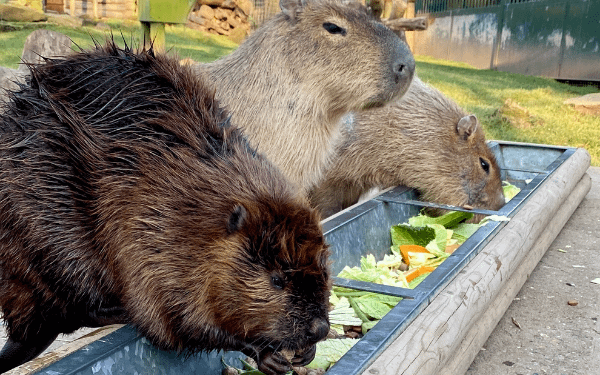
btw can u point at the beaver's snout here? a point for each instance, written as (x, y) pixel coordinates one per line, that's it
(319, 329)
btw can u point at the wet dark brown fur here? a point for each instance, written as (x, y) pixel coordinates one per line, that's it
(289, 84)
(127, 197)
(423, 140)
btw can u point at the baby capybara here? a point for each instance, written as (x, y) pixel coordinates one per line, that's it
(422, 140)
(127, 197)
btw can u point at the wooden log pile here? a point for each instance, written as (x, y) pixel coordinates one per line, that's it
(223, 17)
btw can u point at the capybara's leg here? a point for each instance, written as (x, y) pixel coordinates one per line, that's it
(15, 353)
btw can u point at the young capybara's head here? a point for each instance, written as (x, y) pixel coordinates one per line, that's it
(469, 175)
(424, 141)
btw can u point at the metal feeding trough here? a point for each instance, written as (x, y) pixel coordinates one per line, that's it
(425, 333)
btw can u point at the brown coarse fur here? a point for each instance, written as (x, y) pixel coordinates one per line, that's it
(292, 80)
(423, 140)
(127, 197)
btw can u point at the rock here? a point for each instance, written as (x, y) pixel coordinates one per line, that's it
(44, 43)
(206, 12)
(15, 13)
(589, 104)
(195, 19)
(8, 80)
(214, 3)
(223, 14)
(245, 6)
(572, 302)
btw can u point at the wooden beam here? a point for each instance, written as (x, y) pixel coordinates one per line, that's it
(481, 330)
(407, 24)
(45, 360)
(434, 337)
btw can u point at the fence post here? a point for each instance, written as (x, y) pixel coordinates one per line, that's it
(496, 45)
(563, 39)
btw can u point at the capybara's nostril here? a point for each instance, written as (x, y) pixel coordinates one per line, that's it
(319, 329)
(403, 70)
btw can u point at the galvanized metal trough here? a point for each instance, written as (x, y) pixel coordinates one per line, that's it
(438, 327)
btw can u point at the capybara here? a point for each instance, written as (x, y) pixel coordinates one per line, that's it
(127, 197)
(289, 84)
(423, 140)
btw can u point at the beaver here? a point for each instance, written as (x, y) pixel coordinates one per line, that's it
(423, 140)
(128, 196)
(289, 83)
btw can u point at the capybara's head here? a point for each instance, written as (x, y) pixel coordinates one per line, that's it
(345, 49)
(439, 150)
(470, 176)
(424, 141)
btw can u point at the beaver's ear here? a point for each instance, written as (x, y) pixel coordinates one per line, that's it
(236, 219)
(467, 126)
(291, 8)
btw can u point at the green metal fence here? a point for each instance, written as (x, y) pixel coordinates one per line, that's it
(553, 38)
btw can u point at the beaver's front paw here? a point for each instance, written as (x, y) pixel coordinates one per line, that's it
(304, 357)
(273, 363)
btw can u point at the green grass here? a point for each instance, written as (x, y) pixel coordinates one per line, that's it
(185, 42)
(510, 107)
(514, 107)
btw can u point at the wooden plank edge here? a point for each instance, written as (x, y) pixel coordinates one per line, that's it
(435, 334)
(63, 351)
(478, 334)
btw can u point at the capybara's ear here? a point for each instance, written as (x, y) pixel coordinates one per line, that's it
(467, 126)
(292, 8)
(236, 219)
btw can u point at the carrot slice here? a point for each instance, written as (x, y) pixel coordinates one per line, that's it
(416, 272)
(405, 249)
(450, 249)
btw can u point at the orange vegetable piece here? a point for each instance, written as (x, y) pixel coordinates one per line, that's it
(450, 249)
(416, 272)
(405, 249)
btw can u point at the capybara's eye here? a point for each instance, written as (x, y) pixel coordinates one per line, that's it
(485, 165)
(277, 282)
(332, 28)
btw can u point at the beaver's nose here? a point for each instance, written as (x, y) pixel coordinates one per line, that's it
(319, 329)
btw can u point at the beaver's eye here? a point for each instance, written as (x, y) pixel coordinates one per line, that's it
(485, 165)
(332, 28)
(277, 282)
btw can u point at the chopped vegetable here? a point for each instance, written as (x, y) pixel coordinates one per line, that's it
(509, 190)
(330, 351)
(415, 272)
(447, 220)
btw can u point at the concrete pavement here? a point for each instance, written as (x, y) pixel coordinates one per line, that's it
(541, 333)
